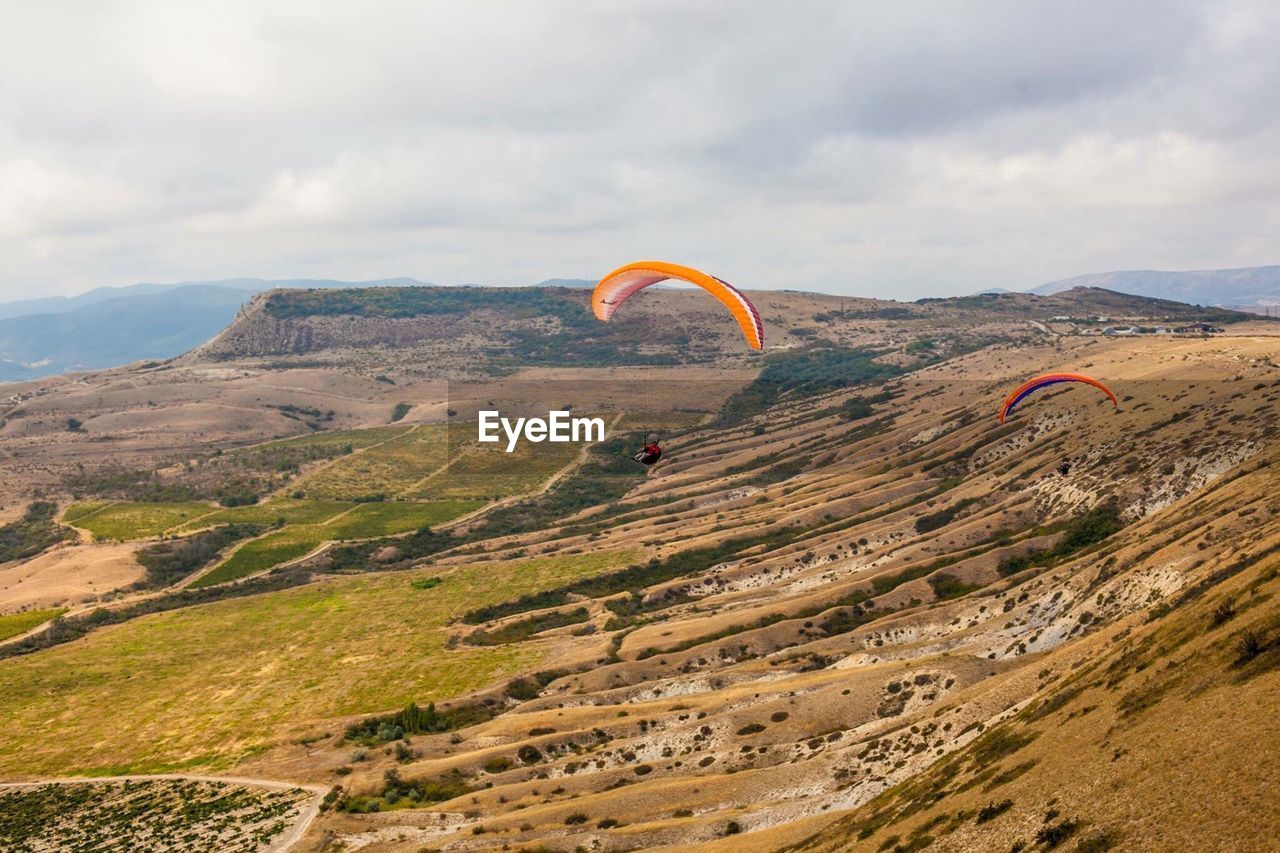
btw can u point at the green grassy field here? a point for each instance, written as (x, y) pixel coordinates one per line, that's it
(391, 468)
(78, 511)
(357, 438)
(488, 472)
(269, 512)
(363, 521)
(13, 624)
(205, 686)
(385, 519)
(258, 555)
(125, 520)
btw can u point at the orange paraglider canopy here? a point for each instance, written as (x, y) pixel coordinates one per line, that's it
(619, 285)
(1035, 384)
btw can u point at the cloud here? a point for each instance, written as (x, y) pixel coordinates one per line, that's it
(872, 148)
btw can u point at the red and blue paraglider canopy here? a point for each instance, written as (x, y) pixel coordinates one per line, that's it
(1035, 384)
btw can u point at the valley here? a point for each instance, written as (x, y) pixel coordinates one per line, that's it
(848, 610)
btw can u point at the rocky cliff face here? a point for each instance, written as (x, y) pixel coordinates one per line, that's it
(257, 331)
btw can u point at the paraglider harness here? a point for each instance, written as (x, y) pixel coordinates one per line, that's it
(649, 454)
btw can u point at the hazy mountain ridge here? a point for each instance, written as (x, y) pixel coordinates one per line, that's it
(111, 326)
(1247, 286)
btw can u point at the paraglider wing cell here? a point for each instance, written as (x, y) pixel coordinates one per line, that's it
(622, 283)
(1033, 385)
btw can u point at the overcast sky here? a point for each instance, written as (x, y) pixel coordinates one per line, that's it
(871, 148)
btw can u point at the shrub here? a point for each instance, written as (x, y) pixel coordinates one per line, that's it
(1052, 836)
(1251, 644)
(943, 517)
(1223, 613)
(515, 632)
(946, 586)
(576, 818)
(523, 689)
(991, 811)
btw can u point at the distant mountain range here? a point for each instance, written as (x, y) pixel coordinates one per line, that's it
(117, 325)
(1249, 287)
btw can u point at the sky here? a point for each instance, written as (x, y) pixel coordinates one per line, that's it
(881, 149)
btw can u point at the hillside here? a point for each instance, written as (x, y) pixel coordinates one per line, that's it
(554, 326)
(848, 608)
(1251, 287)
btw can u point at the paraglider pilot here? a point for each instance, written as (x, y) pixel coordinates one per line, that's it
(650, 453)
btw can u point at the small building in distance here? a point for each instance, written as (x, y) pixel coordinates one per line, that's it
(1197, 329)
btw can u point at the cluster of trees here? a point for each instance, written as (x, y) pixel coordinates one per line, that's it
(32, 533)
(415, 720)
(169, 562)
(807, 372)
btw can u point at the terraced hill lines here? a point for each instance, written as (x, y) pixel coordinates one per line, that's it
(885, 607)
(849, 609)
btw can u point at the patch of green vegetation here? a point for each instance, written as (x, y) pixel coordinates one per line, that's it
(935, 520)
(858, 407)
(32, 533)
(1084, 531)
(947, 586)
(607, 474)
(399, 793)
(805, 373)
(487, 471)
(400, 411)
(280, 511)
(171, 561)
(136, 485)
(398, 636)
(259, 555)
(127, 521)
(523, 629)
(147, 815)
(371, 520)
(414, 720)
(999, 743)
(684, 563)
(391, 467)
(13, 624)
